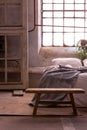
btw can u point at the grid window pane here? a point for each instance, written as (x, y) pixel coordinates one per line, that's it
(58, 6)
(79, 6)
(58, 22)
(69, 7)
(79, 30)
(69, 1)
(47, 14)
(64, 21)
(86, 24)
(81, 14)
(47, 21)
(58, 14)
(47, 39)
(68, 29)
(86, 15)
(58, 39)
(68, 22)
(58, 1)
(47, 29)
(69, 39)
(86, 6)
(47, 1)
(69, 14)
(58, 29)
(86, 36)
(79, 22)
(47, 7)
(79, 1)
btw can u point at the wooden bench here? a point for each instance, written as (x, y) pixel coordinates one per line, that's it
(69, 91)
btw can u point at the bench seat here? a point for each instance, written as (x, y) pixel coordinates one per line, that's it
(68, 91)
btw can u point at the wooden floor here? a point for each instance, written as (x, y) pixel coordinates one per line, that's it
(19, 105)
(42, 123)
(16, 114)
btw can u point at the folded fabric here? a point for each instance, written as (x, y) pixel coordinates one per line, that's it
(58, 77)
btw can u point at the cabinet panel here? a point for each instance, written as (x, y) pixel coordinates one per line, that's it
(14, 16)
(14, 43)
(14, 77)
(2, 77)
(2, 16)
(11, 58)
(14, 1)
(13, 65)
(2, 1)
(11, 13)
(2, 47)
(2, 65)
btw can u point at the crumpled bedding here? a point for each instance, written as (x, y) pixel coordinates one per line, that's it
(57, 77)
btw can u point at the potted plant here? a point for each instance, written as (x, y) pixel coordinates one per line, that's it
(82, 50)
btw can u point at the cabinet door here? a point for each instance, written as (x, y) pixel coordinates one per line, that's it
(13, 44)
(11, 59)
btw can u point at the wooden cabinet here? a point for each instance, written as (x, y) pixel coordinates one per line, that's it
(13, 44)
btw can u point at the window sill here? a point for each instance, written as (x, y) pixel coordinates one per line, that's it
(48, 52)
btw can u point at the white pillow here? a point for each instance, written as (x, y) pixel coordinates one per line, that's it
(74, 62)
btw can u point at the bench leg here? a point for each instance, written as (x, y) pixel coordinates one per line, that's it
(36, 103)
(73, 104)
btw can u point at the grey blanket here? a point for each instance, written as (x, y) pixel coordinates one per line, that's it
(58, 77)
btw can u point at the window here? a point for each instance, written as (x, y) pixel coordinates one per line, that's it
(64, 22)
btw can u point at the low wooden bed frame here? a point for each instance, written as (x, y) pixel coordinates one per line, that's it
(69, 91)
